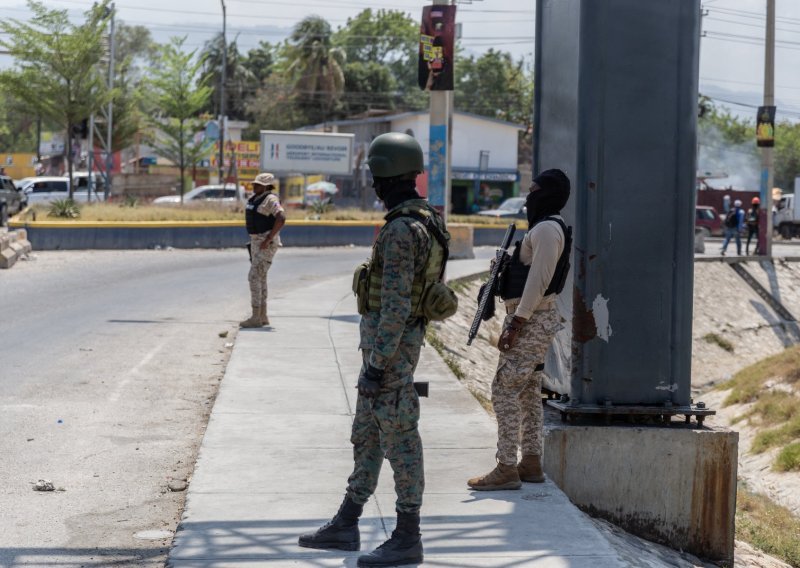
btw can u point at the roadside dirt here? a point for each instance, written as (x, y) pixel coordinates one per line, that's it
(724, 306)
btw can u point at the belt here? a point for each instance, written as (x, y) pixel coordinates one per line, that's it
(511, 306)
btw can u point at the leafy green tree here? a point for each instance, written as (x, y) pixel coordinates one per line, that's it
(496, 86)
(239, 79)
(368, 85)
(375, 42)
(135, 55)
(260, 61)
(787, 154)
(273, 107)
(17, 127)
(316, 67)
(179, 95)
(56, 73)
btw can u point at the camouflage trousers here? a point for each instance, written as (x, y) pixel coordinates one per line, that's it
(517, 388)
(386, 427)
(260, 264)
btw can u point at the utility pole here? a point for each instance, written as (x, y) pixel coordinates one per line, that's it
(441, 121)
(767, 165)
(222, 99)
(110, 117)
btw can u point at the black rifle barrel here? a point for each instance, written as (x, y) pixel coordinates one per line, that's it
(489, 288)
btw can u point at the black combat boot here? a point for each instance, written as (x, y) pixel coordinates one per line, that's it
(405, 546)
(341, 532)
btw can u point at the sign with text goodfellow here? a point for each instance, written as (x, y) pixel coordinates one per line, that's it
(306, 152)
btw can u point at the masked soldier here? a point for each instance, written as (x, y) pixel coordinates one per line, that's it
(264, 218)
(531, 281)
(393, 293)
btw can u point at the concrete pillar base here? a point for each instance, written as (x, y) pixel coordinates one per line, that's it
(675, 486)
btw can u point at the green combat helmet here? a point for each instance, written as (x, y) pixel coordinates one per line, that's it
(394, 154)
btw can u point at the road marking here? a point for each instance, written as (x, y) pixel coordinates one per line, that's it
(114, 396)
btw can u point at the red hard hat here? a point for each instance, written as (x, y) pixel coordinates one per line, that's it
(756, 201)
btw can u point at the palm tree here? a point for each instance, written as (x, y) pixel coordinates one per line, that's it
(239, 79)
(316, 67)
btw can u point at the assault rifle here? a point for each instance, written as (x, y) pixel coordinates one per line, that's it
(489, 289)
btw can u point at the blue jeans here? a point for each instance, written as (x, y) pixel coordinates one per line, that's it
(729, 234)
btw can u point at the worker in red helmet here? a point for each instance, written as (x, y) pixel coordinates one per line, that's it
(752, 225)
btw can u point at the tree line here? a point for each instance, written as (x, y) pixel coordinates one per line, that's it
(728, 143)
(165, 92)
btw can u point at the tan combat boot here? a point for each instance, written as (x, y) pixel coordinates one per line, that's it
(530, 469)
(262, 314)
(252, 321)
(501, 477)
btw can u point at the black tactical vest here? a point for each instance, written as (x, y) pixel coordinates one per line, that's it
(256, 222)
(515, 274)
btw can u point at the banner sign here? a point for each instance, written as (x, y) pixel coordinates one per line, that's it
(437, 165)
(307, 152)
(765, 127)
(436, 47)
(246, 155)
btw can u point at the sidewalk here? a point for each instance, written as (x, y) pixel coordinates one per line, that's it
(276, 455)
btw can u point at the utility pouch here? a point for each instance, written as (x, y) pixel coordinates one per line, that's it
(361, 287)
(439, 302)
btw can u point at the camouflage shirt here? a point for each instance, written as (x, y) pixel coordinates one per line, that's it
(391, 334)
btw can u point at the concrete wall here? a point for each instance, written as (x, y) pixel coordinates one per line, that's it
(676, 486)
(82, 236)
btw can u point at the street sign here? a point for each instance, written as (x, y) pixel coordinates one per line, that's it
(307, 152)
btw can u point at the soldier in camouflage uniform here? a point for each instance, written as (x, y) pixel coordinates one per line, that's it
(392, 333)
(529, 327)
(264, 218)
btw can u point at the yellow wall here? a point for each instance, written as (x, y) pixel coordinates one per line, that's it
(18, 165)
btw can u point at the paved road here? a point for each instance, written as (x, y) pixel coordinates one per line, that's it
(109, 365)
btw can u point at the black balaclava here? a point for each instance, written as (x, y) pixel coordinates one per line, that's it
(551, 198)
(395, 190)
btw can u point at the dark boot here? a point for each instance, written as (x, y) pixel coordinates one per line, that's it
(405, 546)
(341, 532)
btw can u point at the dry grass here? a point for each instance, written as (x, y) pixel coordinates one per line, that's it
(748, 384)
(767, 526)
(769, 386)
(125, 213)
(719, 341)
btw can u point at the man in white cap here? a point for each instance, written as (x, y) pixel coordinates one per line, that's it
(264, 218)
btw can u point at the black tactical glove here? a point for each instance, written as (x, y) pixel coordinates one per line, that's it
(369, 381)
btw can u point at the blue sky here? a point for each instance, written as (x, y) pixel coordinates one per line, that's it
(732, 53)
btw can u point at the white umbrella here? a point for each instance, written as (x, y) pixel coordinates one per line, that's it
(323, 186)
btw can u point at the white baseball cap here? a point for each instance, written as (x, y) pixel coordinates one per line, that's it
(737, 203)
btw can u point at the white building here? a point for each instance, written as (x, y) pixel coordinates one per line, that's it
(483, 160)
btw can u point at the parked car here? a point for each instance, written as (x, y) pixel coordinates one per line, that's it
(46, 189)
(708, 221)
(513, 207)
(206, 194)
(12, 200)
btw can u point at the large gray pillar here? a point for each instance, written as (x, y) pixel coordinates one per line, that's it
(616, 105)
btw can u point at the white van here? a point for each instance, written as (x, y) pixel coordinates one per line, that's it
(46, 189)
